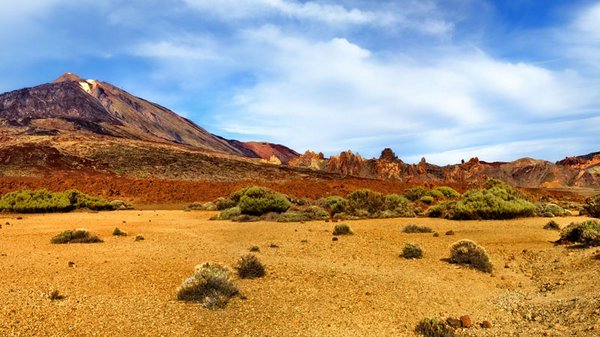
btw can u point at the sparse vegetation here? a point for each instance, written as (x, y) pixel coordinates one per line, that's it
(412, 251)
(427, 199)
(592, 206)
(254, 248)
(55, 295)
(413, 228)
(415, 193)
(309, 213)
(552, 225)
(139, 237)
(434, 327)
(75, 236)
(550, 210)
(249, 266)
(334, 205)
(397, 206)
(211, 285)
(587, 233)
(118, 232)
(44, 201)
(470, 253)
(260, 200)
(497, 201)
(365, 203)
(342, 229)
(448, 192)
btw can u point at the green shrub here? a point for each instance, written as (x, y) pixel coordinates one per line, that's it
(448, 192)
(469, 252)
(309, 213)
(229, 214)
(441, 210)
(397, 206)
(434, 327)
(211, 285)
(249, 266)
(44, 201)
(334, 205)
(412, 228)
(426, 199)
(365, 202)
(498, 201)
(223, 204)
(552, 225)
(412, 251)
(260, 200)
(75, 236)
(550, 210)
(592, 206)
(118, 232)
(342, 229)
(586, 233)
(195, 206)
(435, 194)
(415, 193)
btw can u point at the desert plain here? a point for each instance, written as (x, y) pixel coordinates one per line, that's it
(314, 286)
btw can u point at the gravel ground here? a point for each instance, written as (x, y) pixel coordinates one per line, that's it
(356, 286)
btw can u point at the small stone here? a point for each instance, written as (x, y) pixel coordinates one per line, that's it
(334, 238)
(453, 322)
(436, 234)
(486, 325)
(450, 232)
(72, 264)
(465, 321)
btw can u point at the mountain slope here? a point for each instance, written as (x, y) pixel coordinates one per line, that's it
(71, 104)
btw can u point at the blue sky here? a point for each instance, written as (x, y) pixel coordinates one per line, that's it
(446, 80)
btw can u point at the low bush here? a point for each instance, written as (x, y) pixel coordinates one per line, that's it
(549, 210)
(342, 229)
(334, 205)
(470, 253)
(441, 210)
(592, 207)
(586, 233)
(415, 193)
(224, 203)
(427, 199)
(139, 237)
(412, 228)
(118, 232)
(365, 203)
(309, 213)
(44, 201)
(229, 214)
(497, 201)
(211, 285)
(75, 236)
(448, 192)
(397, 206)
(434, 327)
(412, 251)
(552, 225)
(249, 266)
(257, 200)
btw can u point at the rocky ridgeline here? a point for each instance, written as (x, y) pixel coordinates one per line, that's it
(525, 172)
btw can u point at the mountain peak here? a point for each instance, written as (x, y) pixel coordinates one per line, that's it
(67, 77)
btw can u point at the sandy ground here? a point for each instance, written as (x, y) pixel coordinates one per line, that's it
(357, 286)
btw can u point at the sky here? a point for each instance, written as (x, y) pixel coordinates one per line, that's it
(445, 80)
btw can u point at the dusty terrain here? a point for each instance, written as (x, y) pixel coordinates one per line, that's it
(357, 286)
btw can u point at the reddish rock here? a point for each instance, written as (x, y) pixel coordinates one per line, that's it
(465, 321)
(486, 325)
(450, 232)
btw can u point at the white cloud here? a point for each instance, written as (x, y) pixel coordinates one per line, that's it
(319, 93)
(420, 16)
